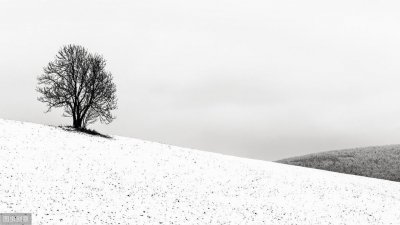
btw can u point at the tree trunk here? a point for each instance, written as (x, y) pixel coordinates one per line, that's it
(77, 123)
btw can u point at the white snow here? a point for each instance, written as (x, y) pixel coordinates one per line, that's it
(63, 177)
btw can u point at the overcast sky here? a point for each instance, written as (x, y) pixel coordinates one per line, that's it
(254, 78)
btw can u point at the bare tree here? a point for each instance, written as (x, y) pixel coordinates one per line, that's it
(77, 82)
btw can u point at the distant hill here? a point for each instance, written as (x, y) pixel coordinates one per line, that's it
(381, 162)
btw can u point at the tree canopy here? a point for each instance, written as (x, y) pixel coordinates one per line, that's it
(77, 81)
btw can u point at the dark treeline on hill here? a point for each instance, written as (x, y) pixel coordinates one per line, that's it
(381, 162)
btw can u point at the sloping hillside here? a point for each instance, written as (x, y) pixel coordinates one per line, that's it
(64, 177)
(381, 162)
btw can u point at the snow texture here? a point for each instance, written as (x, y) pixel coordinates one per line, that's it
(64, 177)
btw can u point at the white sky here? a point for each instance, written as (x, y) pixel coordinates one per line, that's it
(260, 79)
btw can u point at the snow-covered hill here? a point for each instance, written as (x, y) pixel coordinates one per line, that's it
(64, 177)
